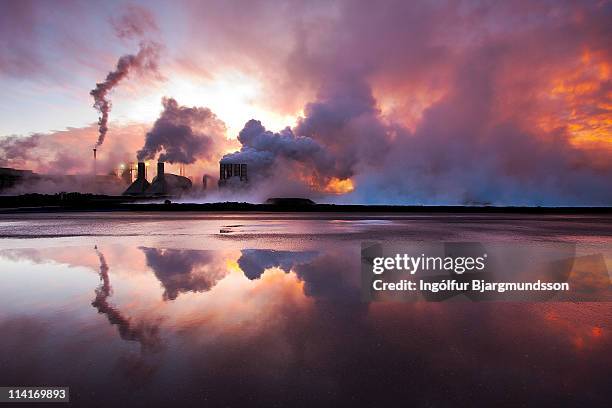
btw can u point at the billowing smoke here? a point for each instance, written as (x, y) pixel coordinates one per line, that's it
(146, 60)
(145, 334)
(339, 135)
(345, 120)
(261, 148)
(183, 134)
(427, 112)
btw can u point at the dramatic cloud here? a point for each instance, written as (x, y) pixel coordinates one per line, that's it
(414, 102)
(452, 104)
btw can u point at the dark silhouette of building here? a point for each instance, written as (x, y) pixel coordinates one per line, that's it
(11, 177)
(140, 185)
(166, 184)
(235, 173)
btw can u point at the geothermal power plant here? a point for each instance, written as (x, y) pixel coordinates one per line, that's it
(232, 173)
(164, 184)
(231, 176)
(167, 184)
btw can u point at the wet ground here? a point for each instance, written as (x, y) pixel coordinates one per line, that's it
(229, 309)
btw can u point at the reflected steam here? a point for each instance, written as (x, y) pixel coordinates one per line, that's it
(145, 333)
(181, 270)
(254, 262)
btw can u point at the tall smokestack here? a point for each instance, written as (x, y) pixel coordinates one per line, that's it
(160, 170)
(95, 169)
(140, 185)
(141, 171)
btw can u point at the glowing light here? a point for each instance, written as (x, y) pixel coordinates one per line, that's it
(232, 265)
(339, 186)
(588, 117)
(234, 97)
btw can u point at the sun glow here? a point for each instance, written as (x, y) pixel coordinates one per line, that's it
(234, 97)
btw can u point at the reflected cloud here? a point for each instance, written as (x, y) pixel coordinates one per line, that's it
(331, 277)
(254, 262)
(306, 329)
(182, 270)
(326, 275)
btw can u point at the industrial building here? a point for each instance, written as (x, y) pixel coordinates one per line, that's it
(140, 185)
(14, 181)
(232, 173)
(164, 184)
(11, 177)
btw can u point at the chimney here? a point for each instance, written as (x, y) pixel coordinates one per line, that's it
(95, 169)
(141, 171)
(160, 170)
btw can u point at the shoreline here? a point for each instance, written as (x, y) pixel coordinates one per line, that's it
(76, 202)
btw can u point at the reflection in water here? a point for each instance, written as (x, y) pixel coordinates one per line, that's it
(181, 271)
(589, 274)
(254, 262)
(247, 322)
(143, 332)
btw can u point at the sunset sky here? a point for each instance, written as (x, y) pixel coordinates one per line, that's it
(393, 101)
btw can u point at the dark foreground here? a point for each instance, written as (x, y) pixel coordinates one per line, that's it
(232, 309)
(77, 202)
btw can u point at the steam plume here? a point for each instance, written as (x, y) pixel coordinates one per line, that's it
(182, 134)
(146, 60)
(261, 147)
